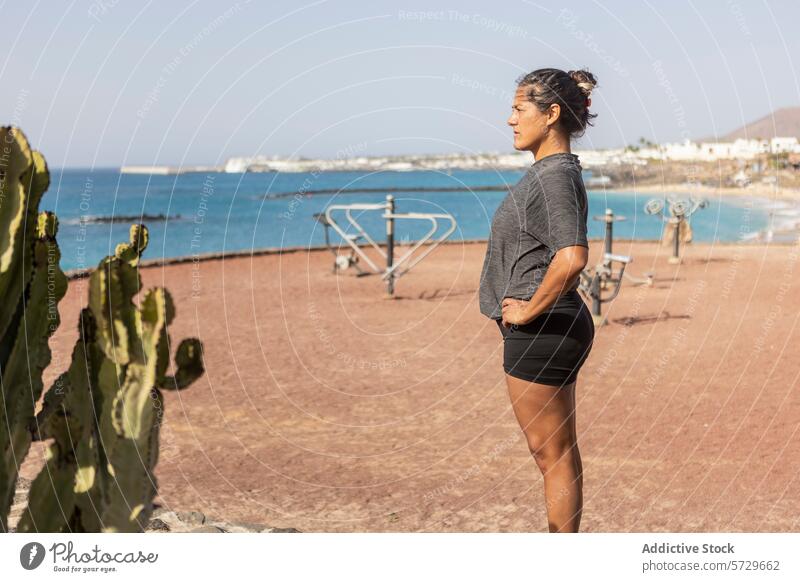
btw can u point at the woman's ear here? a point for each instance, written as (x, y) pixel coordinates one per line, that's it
(553, 113)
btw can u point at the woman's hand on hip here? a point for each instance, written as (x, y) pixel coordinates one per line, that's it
(515, 311)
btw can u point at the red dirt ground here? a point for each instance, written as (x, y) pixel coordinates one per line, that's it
(326, 407)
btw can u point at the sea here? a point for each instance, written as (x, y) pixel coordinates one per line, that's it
(194, 214)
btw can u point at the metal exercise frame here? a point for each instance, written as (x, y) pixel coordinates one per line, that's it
(392, 271)
(593, 283)
(609, 218)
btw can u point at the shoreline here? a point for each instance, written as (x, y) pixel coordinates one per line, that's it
(753, 191)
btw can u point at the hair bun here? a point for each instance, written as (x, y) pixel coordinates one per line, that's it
(585, 81)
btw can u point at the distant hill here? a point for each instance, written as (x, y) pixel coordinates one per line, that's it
(782, 123)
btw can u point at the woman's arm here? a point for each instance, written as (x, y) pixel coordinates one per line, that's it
(565, 267)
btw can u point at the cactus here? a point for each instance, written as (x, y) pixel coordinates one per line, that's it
(104, 413)
(99, 472)
(31, 285)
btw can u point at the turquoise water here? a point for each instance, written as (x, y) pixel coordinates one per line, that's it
(234, 212)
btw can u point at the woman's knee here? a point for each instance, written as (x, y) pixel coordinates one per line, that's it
(548, 450)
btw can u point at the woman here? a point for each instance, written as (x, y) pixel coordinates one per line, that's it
(537, 249)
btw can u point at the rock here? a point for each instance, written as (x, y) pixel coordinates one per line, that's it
(158, 510)
(208, 529)
(250, 527)
(191, 517)
(168, 517)
(157, 525)
(234, 528)
(163, 520)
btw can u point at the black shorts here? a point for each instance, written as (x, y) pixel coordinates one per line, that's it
(552, 348)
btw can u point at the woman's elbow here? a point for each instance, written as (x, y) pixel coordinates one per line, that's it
(574, 258)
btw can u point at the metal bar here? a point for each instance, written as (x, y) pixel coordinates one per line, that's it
(619, 285)
(419, 215)
(436, 243)
(390, 242)
(676, 249)
(364, 233)
(391, 270)
(360, 206)
(596, 295)
(618, 258)
(344, 236)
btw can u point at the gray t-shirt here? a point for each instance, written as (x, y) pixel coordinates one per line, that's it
(546, 211)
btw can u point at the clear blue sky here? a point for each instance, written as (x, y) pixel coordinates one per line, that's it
(115, 82)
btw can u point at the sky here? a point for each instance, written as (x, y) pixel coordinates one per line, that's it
(106, 83)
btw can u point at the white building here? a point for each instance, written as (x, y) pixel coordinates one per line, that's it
(237, 165)
(784, 145)
(740, 149)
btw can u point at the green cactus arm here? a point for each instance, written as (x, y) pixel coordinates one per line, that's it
(69, 417)
(156, 314)
(111, 290)
(133, 401)
(31, 354)
(131, 252)
(92, 481)
(110, 378)
(16, 177)
(23, 180)
(130, 501)
(51, 500)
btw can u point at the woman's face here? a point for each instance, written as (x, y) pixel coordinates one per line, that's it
(529, 124)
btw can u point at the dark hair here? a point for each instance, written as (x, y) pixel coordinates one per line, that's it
(571, 90)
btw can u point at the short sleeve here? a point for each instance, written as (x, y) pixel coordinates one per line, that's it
(556, 209)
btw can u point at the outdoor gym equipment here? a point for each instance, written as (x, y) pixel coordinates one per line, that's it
(392, 271)
(679, 212)
(594, 280)
(610, 218)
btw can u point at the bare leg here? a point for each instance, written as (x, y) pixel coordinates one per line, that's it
(546, 415)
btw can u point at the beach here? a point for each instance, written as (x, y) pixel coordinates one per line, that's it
(327, 406)
(761, 191)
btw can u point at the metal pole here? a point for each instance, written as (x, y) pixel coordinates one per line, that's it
(677, 241)
(609, 229)
(390, 243)
(595, 292)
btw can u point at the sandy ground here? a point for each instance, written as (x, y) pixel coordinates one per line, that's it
(326, 407)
